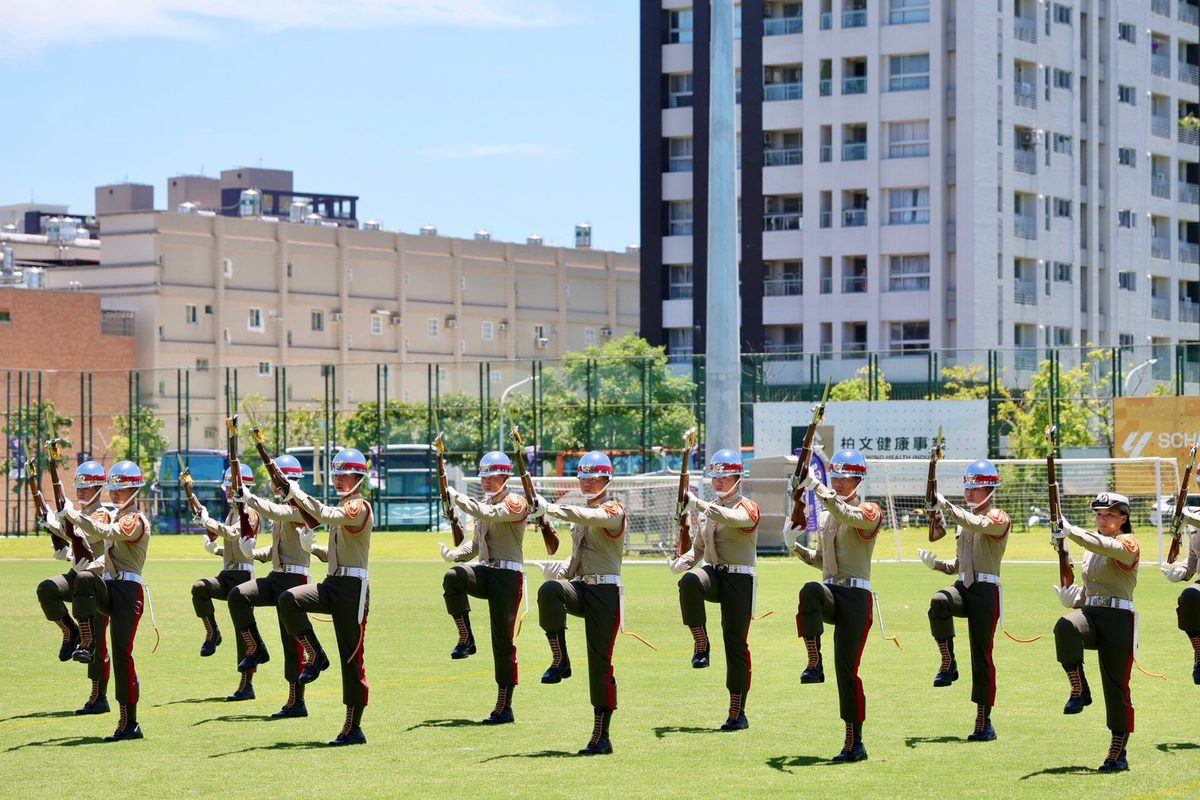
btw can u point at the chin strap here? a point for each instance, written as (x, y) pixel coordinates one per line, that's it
(732, 492)
(975, 507)
(127, 503)
(353, 489)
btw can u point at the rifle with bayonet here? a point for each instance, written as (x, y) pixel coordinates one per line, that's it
(1180, 502)
(189, 491)
(235, 478)
(549, 537)
(32, 474)
(685, 523)
(278, 479)
(1066, 575)
(804, 462)
(79, 545)
(936, 454)
(456, 528)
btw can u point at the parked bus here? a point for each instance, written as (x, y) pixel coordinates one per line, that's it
(316, 483)
(207, 468)
(630, 462)
(405, 484)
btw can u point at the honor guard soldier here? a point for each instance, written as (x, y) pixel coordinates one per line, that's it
(1188, 608)
(728, 546)
(53, 593)
(344, 594)
(847, 530)
(982, 536)
(588, 586)
(497, 576)
(289, 568)
(1103, 619)
(121, 594)
(223, 539)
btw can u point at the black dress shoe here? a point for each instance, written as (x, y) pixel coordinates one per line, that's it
(69, 646)
(463, 650)
(244, 694)
(814, 675)
(739, 724)
(125, 734)
(988, 734)
(499, 717)
(355, 736)
(210, 646)
(855, 753)
(1196, 674)
(700, 660)
(252, 660)
(600, 748)
(556, 674)
(1075, 704)
(98, 707)
(84, 655)
(1120, 764)
(312, 671)
(287, 712)
(947, 676)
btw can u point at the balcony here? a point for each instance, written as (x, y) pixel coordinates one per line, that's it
(1160, 247)
(854, 85)
(854, 151)
(783, 91)
(1025, 358)
(826, 153)
(679, 291)
(1160, 187)
(1189, 13)
(826, 284)
(826, 20)
(783, 222)
(1189, 311)
(1160, 66)
(783, 158)
(1025, 228)
(1025, 30)
(1024, 96)
(825, 87)
(1189, 193)
(781, 347)
(1188, 134)
(1025, 293)
(1161, 7)
(908, 216)
(852, 351)
(116, 323)
(783, 287)
(1189, 73)
(782, 26)
(854, 19)
(906, 16)
(1160, 126)
(1189, 253)
(854, 284)
(854, 218)
(1160, 308)
(1025, 161)
(826, 219)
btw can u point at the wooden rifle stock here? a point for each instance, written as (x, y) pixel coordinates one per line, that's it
(185, 480)
(456, 528)
(32, 473)
(277, 477)
(549, 537)
(235, 478)
(1180, 502)
(1066, 575)
(935, 454)
(685, 523)
(79, 545)
(804, 462)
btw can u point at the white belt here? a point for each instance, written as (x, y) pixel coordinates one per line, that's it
(737, 569)
(292, 569)
(350, 572)
(240, 566)
(124, 576)
(614, 580)
(1104, 601)
(849, 583)
(981, 577)
(515, 566)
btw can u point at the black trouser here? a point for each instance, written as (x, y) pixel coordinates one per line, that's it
(980, 604)
(205, 590)
(1108, 631)
(734, 591)
(245, 597)
(339, 597)
(850, 611)
(53, 594)
(503, 589)
(123, 602)
(600, 607)
(1188, 609)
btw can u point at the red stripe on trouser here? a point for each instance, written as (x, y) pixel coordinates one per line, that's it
(131, 674)
(609, 680)
(1129, 671)
(860, 697)
(104, 659)
(358, 659)
(991, 666)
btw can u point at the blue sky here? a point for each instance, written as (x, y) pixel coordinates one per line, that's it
(519, 116)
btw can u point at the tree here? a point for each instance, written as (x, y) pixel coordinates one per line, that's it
(28, 427)
(858, 388)
(963, 383)
(1083, 402)
(148, 441)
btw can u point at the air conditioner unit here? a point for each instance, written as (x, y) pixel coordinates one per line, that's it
(502, 325)
(768, 10)
(1028, 139)
(606, 331)
(541, 342)
(396, 319)
(451, 321)
(227, 337)
(335, 316)
(768, 138)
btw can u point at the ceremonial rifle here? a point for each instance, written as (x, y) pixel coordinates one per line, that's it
(32, 473)
(79, 545)
(185, 480)
(936, 453)
(685, 524)
(549, 537)
(456, 529)
(278, 479)
(235, 478)
(1066, 575)
(804, 462)
(1180, 502)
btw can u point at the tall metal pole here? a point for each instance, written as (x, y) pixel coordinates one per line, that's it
(722, 368)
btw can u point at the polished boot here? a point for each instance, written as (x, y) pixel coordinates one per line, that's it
(560, 664)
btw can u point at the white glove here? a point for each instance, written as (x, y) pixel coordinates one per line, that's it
(211, 545)
(810, 482)
(52, 519)
(452, 493)
(1068, 595)
(242, 495)
(539, 510)
(247, 546)
(201, 517)
(68, 506)
(678, 565)
(64, 554)
(68, 511)
(693, 502)
(927, 558)
(307, 538)
(553, 570)
(447, 553)
(939, 500)
(290, 494)
(1174, 574)
(1059, 532)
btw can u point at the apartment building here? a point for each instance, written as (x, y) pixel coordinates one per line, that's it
(923, 174)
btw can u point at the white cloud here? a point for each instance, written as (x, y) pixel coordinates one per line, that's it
(29, 27)
(495, 150)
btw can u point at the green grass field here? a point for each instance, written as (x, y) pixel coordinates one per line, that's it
(420, 744)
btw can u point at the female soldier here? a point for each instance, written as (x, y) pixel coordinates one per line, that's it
(1188, 608)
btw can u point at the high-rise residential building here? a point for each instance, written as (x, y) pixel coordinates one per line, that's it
(920, 174)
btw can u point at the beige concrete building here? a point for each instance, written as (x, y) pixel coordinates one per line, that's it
(213, 292)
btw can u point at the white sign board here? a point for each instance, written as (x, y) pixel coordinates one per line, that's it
(881, 429)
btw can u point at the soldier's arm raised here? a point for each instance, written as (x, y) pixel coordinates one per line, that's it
(995, 523)
(867, 519)
(276, 512)
(1123, 549)
(512, 508)
(610, 516)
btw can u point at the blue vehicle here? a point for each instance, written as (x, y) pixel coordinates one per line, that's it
(405, 484)
(207, 468)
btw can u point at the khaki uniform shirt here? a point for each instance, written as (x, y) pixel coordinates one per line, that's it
(285, 540)
(850, 532)
(985, 534)
(728, 532)
(229, 535)
(597, 537)
(499, 528)
(126, 540)
(1110, 565)
(350, 524)
(1193, 558)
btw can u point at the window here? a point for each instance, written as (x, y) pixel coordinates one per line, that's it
(208, 310)
(1062, 143)
(1062, 208)
(589, 337)
(1127, 32)
(1062, 337)
(201, 365)
(255, 322)
(1126, 219)
(679, 90)
(908, 336)
(679, 341)
(679, 218)
(677, 26)
(377, 325)
(1062, 14)
(264, 369)
(1062, 272)
(1127, 280)
(908, 273)
(190, 315)
(782, 148)
(783, 212)
(227, 267)
(1125, 339)
(318, 320)
(903, 12)
(908, 73)
(908, 206)
(1127, 157)
(679, 281)
(679, 154)
(1062, 79)
(908, 139)
(1127, 94)
(434, 328)
(495, 376)
(487, 330)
